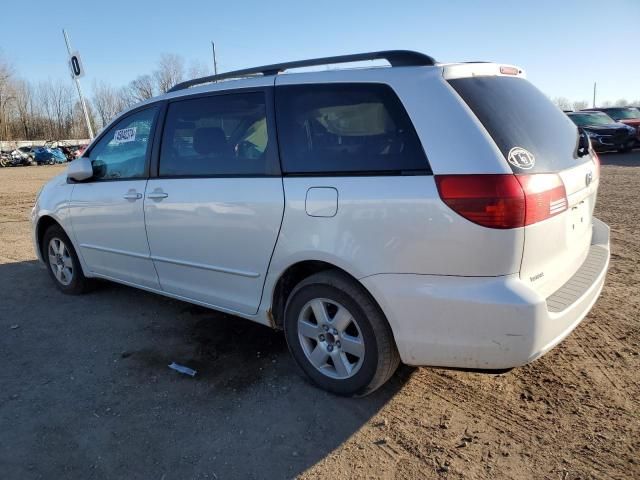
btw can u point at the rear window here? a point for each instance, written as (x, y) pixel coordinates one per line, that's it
(518, 116)
(346, 128)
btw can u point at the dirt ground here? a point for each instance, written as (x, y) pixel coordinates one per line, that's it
(85, 391)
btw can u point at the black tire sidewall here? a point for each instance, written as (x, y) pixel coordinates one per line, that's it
(363, 378)
(78, 283)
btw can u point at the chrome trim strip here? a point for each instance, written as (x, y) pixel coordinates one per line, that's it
(203, 266)
(114, 250)
(173, 261)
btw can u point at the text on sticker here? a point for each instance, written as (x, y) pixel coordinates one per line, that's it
(125, 135)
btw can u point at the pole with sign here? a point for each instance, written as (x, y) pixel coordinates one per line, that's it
(77, 71)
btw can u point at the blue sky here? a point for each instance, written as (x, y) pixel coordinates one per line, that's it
(564, 45)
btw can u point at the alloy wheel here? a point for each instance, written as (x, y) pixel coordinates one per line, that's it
(331, 338)
(60, 261)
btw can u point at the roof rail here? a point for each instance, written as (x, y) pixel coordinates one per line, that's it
(397, 58)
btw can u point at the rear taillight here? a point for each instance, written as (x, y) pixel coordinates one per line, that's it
(503, 201)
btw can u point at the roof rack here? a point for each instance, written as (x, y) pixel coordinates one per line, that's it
(397, 58)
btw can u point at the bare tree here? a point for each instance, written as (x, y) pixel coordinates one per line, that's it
(169, 72)
(24, 110)
(141, 88)
(198, 69)
(563, 103)
(621, 102)
(108, 102)
(6, 95)
(580, 105)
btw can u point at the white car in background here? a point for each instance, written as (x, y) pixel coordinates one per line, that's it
(434, 214)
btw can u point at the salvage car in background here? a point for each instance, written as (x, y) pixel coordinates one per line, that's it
(21, 156)
(605, 133)
(48, 156)
(627, 115)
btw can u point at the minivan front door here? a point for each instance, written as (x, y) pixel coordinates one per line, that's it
(107, 212)
(214, 211)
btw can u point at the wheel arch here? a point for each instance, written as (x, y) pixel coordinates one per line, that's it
(293, 275)
(44, 223)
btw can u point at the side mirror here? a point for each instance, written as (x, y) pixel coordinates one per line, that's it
(80, 169)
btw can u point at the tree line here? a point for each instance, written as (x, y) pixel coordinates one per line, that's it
(566, 104)
(50, 109)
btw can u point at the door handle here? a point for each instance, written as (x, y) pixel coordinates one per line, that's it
(132, 196)
(158, 195)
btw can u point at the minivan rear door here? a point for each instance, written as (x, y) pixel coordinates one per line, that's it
(214, 206)
(537, 138)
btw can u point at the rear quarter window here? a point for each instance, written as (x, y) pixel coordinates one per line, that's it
(518, 116)
(346, 129)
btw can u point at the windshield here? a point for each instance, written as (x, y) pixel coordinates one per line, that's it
(586, 119)
(520, 118)
(624, 113)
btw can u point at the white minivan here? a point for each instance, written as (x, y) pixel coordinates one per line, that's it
(434, 214)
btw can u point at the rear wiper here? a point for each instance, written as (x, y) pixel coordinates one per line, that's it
(583, 143)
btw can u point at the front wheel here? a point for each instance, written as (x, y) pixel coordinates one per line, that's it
(62, 262)
(338, 335)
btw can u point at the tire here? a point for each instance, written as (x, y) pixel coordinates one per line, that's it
(351, 350)
(63, 265)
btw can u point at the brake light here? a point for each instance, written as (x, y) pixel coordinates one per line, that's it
(505, 70)
(503, 201)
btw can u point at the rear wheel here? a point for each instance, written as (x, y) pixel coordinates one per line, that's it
(338, 335)
(62, 262)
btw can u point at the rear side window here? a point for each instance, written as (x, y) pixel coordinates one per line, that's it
(216, 135)
(518, 116)
(346, 128)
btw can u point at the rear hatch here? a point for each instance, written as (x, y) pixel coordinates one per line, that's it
(540, 144)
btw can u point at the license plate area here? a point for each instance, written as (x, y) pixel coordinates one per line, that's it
(579, 219)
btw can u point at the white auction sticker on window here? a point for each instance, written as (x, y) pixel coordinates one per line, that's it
(125, 135)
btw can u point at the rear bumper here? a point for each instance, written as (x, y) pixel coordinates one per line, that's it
(486, 322)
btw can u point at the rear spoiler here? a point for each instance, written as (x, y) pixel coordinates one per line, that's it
(481, 69)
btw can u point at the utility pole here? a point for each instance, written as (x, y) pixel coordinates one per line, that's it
(594, 95)
(215, 64)
(77, 80)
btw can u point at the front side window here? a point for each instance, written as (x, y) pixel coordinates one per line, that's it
(121, 153)
(346, 128)
(216, 135)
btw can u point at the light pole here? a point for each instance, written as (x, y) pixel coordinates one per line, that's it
(76, 78)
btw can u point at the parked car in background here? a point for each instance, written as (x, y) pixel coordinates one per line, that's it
(22, 156)
(400, 214)
(48, 156)
(79, 150)
(605, 133)
(627, 115)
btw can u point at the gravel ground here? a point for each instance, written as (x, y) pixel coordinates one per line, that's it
(85, 391)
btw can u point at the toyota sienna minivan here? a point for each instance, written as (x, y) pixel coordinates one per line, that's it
(434, 214)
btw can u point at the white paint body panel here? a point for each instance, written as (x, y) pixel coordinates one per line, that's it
(211, 239)
(110, 231)
(391, 225)
(477, 322)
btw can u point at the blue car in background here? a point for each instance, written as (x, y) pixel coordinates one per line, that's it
(48, 156)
